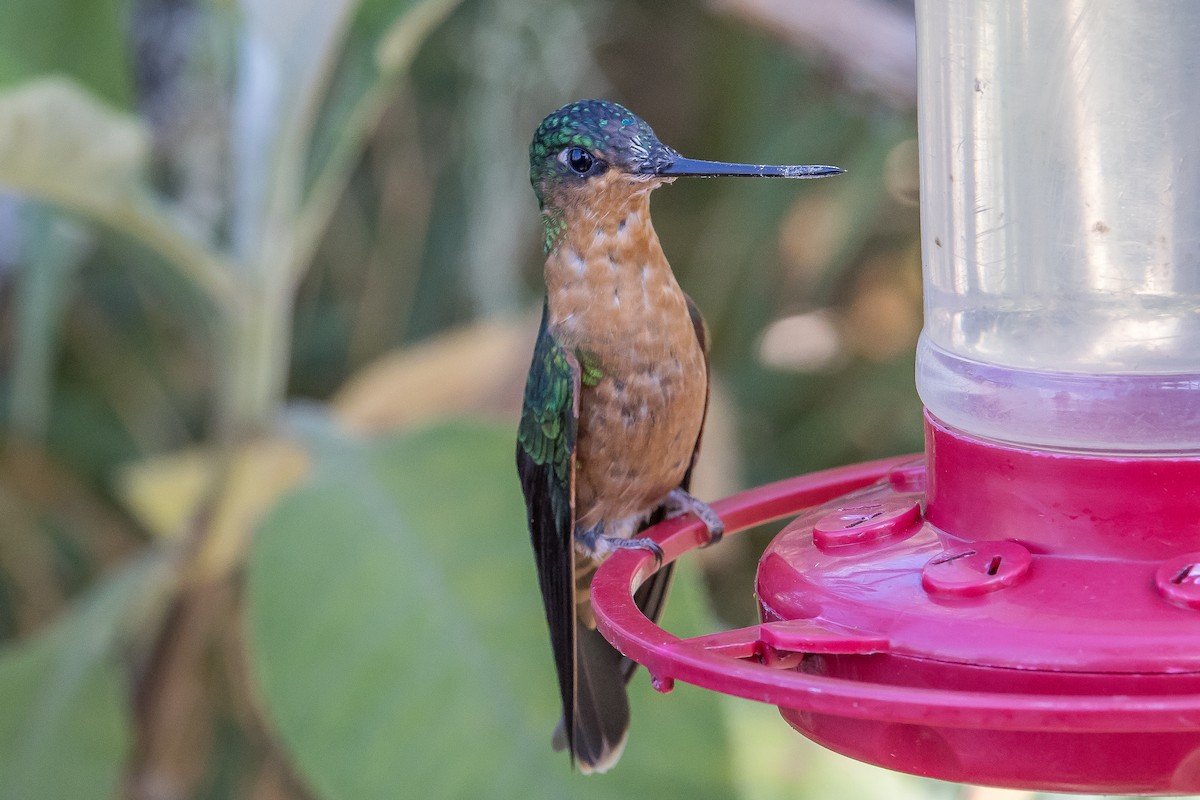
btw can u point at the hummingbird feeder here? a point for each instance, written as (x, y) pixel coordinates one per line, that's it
(1020, 606)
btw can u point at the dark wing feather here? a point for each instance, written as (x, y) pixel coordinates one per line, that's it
(701, 329)
(546, 465)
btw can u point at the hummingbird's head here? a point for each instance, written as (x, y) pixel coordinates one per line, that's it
(585, 140)
(596, 153)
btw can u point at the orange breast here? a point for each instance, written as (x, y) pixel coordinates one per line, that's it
(638, 428)
(612, 295)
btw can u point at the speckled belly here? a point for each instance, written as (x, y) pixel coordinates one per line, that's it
(638, 428)
(614, 302)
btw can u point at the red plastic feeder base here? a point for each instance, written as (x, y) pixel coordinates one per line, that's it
(998, 616)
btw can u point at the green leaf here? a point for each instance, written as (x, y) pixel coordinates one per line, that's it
(287, 52)
(55, 247)
(61, 144)
(59, 141)
(85, 39)
(381, 41)
(316, 78)
(65, 730)
(397, 637)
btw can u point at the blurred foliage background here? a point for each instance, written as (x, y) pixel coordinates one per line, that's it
(269, 279)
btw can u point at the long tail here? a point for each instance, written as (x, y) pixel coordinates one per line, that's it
(601, 714)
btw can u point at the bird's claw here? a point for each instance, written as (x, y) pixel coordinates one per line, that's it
(597, 545)
(637, 543)
(680, 502)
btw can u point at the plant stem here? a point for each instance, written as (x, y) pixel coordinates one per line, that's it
(255, 356)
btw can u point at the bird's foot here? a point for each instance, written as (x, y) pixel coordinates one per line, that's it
(679, 502)
(598, 546)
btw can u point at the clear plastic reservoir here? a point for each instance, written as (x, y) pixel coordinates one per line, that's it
(1060, 216)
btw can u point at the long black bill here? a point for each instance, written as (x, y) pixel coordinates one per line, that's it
(680, 166)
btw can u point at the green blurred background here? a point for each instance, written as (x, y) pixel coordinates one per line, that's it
(269, 279)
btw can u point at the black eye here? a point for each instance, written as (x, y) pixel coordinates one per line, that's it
(579, 160)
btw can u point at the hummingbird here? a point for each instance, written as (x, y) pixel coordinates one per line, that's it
(616, 396)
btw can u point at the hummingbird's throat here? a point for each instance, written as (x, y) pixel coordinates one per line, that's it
(554, 225)
(607, 273)
(601, 204)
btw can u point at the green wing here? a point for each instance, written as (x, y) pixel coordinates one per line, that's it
(546, 436)
(546, 465)
(591, 679)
